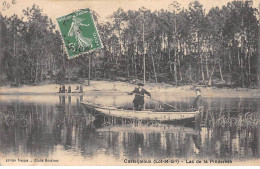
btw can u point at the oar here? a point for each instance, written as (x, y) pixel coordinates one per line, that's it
(158, 101)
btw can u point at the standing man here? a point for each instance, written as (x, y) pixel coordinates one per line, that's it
(69, 89)
(139, 96)
(81, 89)
(60, 89)
(198, 101)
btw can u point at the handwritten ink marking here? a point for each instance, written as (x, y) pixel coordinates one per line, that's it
(5, 5)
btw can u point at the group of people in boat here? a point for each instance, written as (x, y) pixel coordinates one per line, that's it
(139, 92)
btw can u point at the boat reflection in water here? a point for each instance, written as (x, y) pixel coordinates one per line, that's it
(153, 141)
(59, 125)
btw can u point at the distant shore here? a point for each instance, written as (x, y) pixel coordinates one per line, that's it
(118, 88)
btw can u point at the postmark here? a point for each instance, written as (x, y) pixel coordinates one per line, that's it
(79, 33)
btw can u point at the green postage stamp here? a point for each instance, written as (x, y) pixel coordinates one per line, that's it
(79, 33)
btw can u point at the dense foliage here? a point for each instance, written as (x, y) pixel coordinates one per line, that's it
(180, 46)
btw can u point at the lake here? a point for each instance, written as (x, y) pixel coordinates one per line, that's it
(57, 127)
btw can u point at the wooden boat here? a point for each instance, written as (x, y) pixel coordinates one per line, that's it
(149, 115)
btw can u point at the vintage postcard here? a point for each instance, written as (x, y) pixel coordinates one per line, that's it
(129, 83)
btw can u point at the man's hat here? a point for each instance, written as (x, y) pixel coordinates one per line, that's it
(140, 84)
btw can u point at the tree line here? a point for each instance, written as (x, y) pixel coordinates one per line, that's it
(178, 46)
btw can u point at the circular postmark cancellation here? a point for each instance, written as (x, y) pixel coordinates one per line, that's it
(79, 33)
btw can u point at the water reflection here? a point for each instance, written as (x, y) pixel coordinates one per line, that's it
(43, 129)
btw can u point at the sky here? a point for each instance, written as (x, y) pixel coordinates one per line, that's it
(104, 8)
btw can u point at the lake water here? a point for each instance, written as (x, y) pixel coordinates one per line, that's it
(58, 127)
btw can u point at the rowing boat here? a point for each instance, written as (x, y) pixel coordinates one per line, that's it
(150, 115)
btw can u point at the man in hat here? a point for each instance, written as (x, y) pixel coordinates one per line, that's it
(139, 96)
(198, 101)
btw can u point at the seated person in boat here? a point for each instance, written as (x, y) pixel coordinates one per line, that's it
(198, 101)
(139, 96)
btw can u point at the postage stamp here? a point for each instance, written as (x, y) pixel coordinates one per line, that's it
(79, 33)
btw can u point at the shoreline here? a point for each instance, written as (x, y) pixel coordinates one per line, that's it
(111, 93)
(121, 88)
